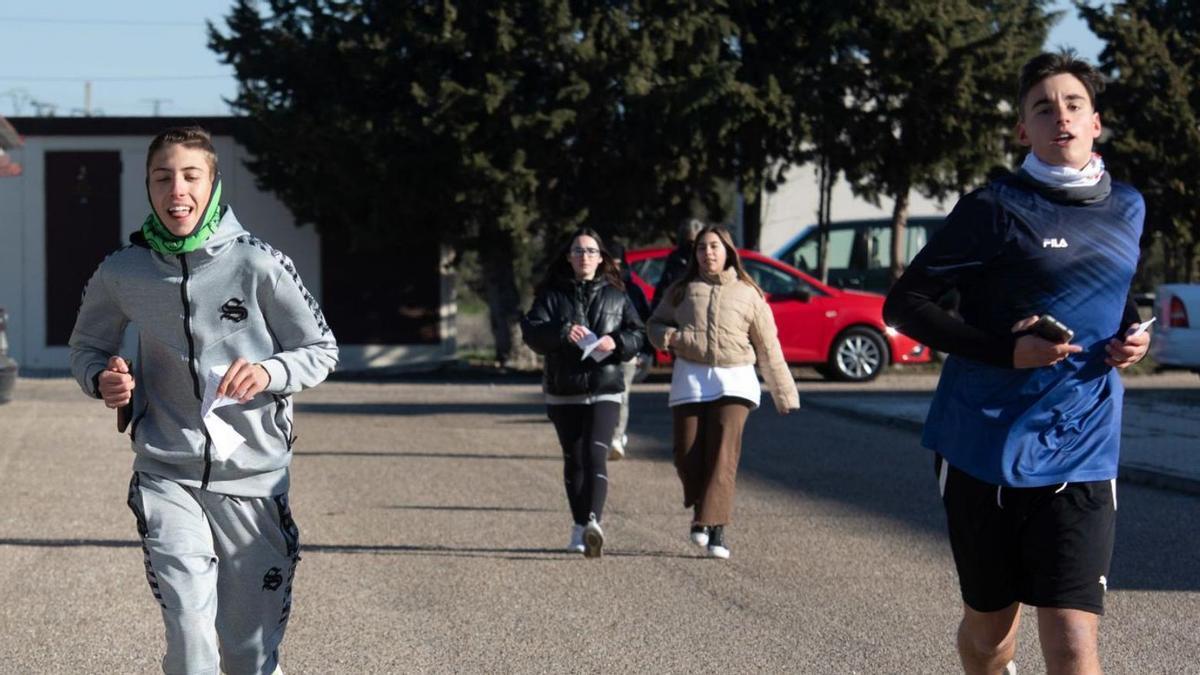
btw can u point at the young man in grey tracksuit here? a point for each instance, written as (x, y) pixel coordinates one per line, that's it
(220, 544)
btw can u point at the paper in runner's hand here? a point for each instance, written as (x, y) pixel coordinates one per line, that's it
(590, 344)
(225, 438)
(598, 354)
(587, 343)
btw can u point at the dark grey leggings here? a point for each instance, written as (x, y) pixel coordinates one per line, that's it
(585, 433)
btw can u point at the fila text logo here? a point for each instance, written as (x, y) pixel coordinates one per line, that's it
(1054, 243)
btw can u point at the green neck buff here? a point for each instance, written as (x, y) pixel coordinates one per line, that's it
(160, 238)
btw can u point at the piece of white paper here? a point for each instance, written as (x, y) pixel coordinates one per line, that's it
(1141, 327)
(589, 344)
(600, 354)
(225, 438)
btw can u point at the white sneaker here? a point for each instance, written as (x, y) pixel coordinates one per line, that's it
(716, 543)
(593, 539)
(576, 545)
(617, 451)
(699, 535)
(718, 551)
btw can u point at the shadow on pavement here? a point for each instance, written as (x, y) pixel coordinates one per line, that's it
(418, 409)
(476, 552)
(71, 543)
(434, 507)
(377, 549)
(420, 455)
(883, 470)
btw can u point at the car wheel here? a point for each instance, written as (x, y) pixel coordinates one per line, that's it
(857, 355)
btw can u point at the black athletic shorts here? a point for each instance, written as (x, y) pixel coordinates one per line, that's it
(1045, 546)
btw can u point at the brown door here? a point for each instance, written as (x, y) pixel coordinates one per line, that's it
(83, 225)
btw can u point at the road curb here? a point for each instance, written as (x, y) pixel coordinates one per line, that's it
(1144, 475)
(1137, 474)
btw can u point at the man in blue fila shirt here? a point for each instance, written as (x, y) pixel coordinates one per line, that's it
(1026, 430)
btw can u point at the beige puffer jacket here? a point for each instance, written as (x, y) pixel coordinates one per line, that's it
(723, 321)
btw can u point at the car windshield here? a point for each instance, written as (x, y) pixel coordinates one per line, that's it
(649, 269)
(866, 248)
(775, 281)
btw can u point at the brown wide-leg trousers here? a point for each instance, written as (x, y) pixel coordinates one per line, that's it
(708, 445)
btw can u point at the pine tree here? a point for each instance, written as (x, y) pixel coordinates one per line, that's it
(1152, 109)
(930, 97)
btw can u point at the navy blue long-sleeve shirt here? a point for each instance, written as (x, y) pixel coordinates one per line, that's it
(1012, 251)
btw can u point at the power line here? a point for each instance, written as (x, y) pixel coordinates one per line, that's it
(131, 78)
(157, 103)
(102, 22)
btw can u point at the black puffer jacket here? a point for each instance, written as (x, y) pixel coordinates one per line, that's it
(602, 308)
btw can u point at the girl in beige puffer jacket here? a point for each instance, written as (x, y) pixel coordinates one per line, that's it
(718, 325)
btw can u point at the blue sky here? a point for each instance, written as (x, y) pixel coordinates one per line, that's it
(142, 55)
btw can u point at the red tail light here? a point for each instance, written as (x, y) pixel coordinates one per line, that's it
(1177, 314)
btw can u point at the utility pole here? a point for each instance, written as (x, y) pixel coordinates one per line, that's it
(18, 96)
(87, 98)
(43, 108)
(157, 103)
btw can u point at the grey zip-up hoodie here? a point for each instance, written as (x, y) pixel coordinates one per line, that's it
(234, 297)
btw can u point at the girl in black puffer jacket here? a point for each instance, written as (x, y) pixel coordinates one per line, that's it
(584, 325)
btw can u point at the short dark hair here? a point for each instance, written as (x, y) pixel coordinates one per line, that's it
(192, 137)
(617, 250)
(1049, 64)
(689, 229)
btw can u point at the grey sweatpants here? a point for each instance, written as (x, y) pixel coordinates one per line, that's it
(628, 371)
(221, 568)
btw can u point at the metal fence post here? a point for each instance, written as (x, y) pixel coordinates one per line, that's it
(8, 367)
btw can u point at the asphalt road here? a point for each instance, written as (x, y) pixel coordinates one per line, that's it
(432, 520)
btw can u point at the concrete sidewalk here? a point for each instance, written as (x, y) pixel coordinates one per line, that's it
(1160, 437)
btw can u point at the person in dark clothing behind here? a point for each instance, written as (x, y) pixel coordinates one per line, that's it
(583, 324)
(677, 261)
(1025, 428)
(628, 368)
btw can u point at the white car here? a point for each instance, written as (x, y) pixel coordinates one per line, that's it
(1176, 342)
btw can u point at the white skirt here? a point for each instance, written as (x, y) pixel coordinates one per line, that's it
(697, 383)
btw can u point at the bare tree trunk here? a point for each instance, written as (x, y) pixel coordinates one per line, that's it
(899, 226)
(752, 221)
(825, 188)
(504, 301)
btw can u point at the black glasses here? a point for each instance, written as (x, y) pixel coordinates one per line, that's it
(581, 252)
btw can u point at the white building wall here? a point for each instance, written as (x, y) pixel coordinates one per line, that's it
(12, 247)
(787, 210)
(22, 230)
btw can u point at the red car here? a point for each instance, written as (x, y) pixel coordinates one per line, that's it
(839, 332)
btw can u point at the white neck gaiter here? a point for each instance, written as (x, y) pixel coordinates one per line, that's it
(1064, 176)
